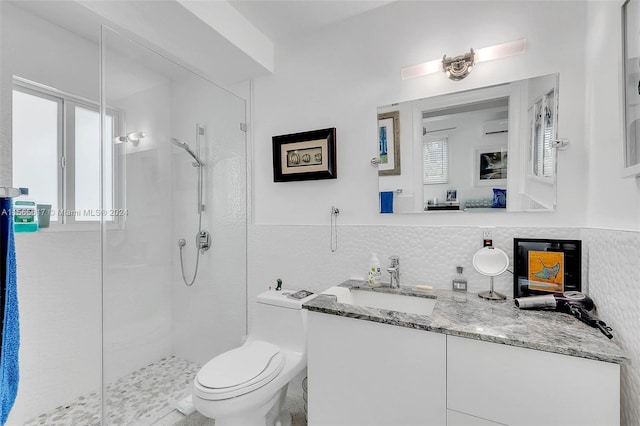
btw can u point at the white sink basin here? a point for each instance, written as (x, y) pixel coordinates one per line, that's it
(393, 302)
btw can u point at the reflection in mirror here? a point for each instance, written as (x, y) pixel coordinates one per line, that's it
(631, 74)
(483, 150)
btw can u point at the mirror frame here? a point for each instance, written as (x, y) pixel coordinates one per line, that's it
(628, 85)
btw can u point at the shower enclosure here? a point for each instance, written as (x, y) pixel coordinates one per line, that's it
(174, 259)
(144, 163)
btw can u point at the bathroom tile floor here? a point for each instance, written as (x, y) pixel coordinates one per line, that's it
(294, 403)
(143, 398)
(138, 399)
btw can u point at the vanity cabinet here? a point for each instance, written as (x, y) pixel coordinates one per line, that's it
(367, 373)
(516, 386)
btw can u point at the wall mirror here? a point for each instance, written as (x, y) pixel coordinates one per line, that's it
(631, 94)
(483, 150)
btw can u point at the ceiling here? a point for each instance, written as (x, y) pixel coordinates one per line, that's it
(281, 20)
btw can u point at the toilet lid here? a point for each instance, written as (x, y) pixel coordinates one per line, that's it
(240, 370)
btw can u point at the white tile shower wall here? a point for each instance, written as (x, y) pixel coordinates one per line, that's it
(300, 255)
(60, 314)
(614, 278)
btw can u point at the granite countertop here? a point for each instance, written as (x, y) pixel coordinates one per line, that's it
(467, 315)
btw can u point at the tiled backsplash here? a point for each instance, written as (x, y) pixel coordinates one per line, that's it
(300, 255)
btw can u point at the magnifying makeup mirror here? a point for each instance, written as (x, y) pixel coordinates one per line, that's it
(491, 262)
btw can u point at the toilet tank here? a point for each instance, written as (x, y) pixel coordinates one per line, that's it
(280, 319)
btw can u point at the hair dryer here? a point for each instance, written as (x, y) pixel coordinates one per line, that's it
(571, 302)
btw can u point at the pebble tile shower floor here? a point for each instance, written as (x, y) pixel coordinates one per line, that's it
(143, 398)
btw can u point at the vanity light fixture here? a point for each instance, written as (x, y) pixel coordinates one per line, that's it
(459, 67)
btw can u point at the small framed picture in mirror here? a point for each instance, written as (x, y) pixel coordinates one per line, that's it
(490, 166)
(452, 195)
(389, 143)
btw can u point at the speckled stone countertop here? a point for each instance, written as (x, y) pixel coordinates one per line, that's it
(467, 315)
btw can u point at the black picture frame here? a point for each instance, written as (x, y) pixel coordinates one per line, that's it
(305, 156)
(571, 268)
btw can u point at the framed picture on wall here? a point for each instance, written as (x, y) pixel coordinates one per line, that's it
(305, 156)
(490, 166)
(544, 266)
(389, 143)
(631, 86)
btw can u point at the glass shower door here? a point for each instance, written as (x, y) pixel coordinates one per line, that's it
(178, 168)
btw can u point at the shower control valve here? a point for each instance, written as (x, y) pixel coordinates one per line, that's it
(203, 241)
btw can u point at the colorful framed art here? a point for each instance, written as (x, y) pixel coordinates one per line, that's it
(543, 266)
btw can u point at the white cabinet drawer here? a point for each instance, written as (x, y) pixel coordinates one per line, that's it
(518, 386)
(366, 373)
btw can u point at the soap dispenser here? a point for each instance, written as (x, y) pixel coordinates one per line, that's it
(459, 282)
(374, 274)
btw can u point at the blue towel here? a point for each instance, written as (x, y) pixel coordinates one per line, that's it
(386, 202)
(10, 331)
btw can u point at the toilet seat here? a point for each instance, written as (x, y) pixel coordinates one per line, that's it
(239, 371)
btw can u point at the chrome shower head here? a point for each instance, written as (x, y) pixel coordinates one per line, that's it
(185, 146)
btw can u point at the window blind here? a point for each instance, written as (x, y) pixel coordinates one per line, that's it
(435, 160)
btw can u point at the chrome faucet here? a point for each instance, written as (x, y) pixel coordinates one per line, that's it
(394, 271)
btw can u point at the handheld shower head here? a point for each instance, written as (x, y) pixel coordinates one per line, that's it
(178, 142)
(185, 146)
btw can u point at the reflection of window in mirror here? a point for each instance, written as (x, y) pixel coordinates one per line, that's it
(62, 168)
(435, 159)
(542, 131)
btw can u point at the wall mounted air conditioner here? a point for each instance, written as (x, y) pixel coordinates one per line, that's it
(496, 126)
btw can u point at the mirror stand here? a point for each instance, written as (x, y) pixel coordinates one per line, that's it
(491, 262)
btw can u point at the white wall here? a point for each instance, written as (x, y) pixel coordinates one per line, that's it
(35, 49)
(58, 272)
(185, 31)
(612, 202)
(339, 76)
(60, 318)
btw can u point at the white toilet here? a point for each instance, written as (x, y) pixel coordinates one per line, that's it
(247, 386)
